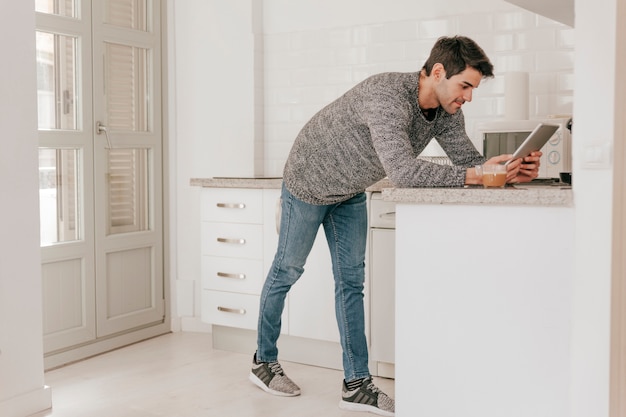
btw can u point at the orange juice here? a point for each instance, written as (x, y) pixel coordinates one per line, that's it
(494, 179)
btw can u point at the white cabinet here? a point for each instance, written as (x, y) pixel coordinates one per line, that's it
(234, 245)
(239, 241)
(382, 278)
(483, 316)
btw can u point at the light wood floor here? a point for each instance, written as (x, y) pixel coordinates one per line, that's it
(180, 375)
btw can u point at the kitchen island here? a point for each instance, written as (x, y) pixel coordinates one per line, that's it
(483, 301)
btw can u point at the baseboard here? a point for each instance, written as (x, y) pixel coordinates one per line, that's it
(194, 324)
(27, 404)
(294, 349)
(57, 359)
(291, 348)
(385, 370)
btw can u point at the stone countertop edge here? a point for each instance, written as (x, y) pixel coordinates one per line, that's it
(237, 182)
(510, 196)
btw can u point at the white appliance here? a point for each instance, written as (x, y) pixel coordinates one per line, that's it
(381, 265)
(504, 136)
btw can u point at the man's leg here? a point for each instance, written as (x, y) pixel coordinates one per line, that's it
(346, 233)
(298, 228)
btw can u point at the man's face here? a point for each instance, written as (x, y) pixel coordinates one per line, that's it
(452, 93)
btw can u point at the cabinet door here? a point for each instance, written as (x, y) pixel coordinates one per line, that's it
(382, 269)
(232, 274)
(232, 240)
(232, 205)
(230, 309)
(312, 298)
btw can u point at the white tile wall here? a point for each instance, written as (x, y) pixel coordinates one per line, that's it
(306, 70)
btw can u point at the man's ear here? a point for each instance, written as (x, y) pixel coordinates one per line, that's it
(438, 71)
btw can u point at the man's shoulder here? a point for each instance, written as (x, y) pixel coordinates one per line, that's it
(398, 85)
(393, 78)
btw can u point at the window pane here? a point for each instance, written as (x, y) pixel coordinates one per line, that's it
(127, 87)
(56, 81)
(130, 14)
(59, 7)
(128, 190)
(59, 196)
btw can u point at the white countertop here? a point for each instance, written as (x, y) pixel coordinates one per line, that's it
(519, 195)
(525, 195)
(241, 182)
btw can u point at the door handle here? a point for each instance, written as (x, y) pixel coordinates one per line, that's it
(233, 276)
(100, 127)
(233, 241)
(241, 311)
(231, 205)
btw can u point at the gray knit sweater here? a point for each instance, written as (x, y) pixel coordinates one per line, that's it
(374, 130)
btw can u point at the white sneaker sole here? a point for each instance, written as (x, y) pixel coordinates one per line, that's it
(345, 405)
(256, 381)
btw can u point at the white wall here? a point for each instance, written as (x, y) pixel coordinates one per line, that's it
(315, 51)
(595, 116)
(22, 390)
(282, 16)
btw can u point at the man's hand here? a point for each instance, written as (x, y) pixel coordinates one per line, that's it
(528, 168)
(517, 171)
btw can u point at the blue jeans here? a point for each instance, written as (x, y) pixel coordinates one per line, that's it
(345, 226)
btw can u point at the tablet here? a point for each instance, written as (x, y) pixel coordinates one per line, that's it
(535, 141)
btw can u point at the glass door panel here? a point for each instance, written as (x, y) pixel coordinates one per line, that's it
(65, 8)
(56, 81)
(60, 201)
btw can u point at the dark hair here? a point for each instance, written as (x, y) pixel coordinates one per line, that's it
(456, 54)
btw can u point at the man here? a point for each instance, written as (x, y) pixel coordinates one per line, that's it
(376, 129)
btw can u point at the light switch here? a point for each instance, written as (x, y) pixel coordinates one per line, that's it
(597, 156)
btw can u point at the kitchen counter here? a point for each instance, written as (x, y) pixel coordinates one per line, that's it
(524, 195)
(238, 182)
(483, 300)
(518, 195)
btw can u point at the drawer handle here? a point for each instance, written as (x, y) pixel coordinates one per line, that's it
(388, 215)
(234, 241)
(241, 311)
(233, 276)
(232, 205)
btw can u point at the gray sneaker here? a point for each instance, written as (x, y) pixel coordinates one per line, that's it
(270, 377)
(368, 397)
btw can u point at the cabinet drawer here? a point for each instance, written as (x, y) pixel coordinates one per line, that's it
(232, 240)
(234, 275)
(234, 205)
(382, 213)
(230, 309)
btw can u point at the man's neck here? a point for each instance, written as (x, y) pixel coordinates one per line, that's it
(426, 99)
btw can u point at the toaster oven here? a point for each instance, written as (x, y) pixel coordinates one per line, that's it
(504, 136)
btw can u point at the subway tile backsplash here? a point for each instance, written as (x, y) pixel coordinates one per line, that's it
(306, 70)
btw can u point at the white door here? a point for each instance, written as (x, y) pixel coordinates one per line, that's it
(99, 91)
